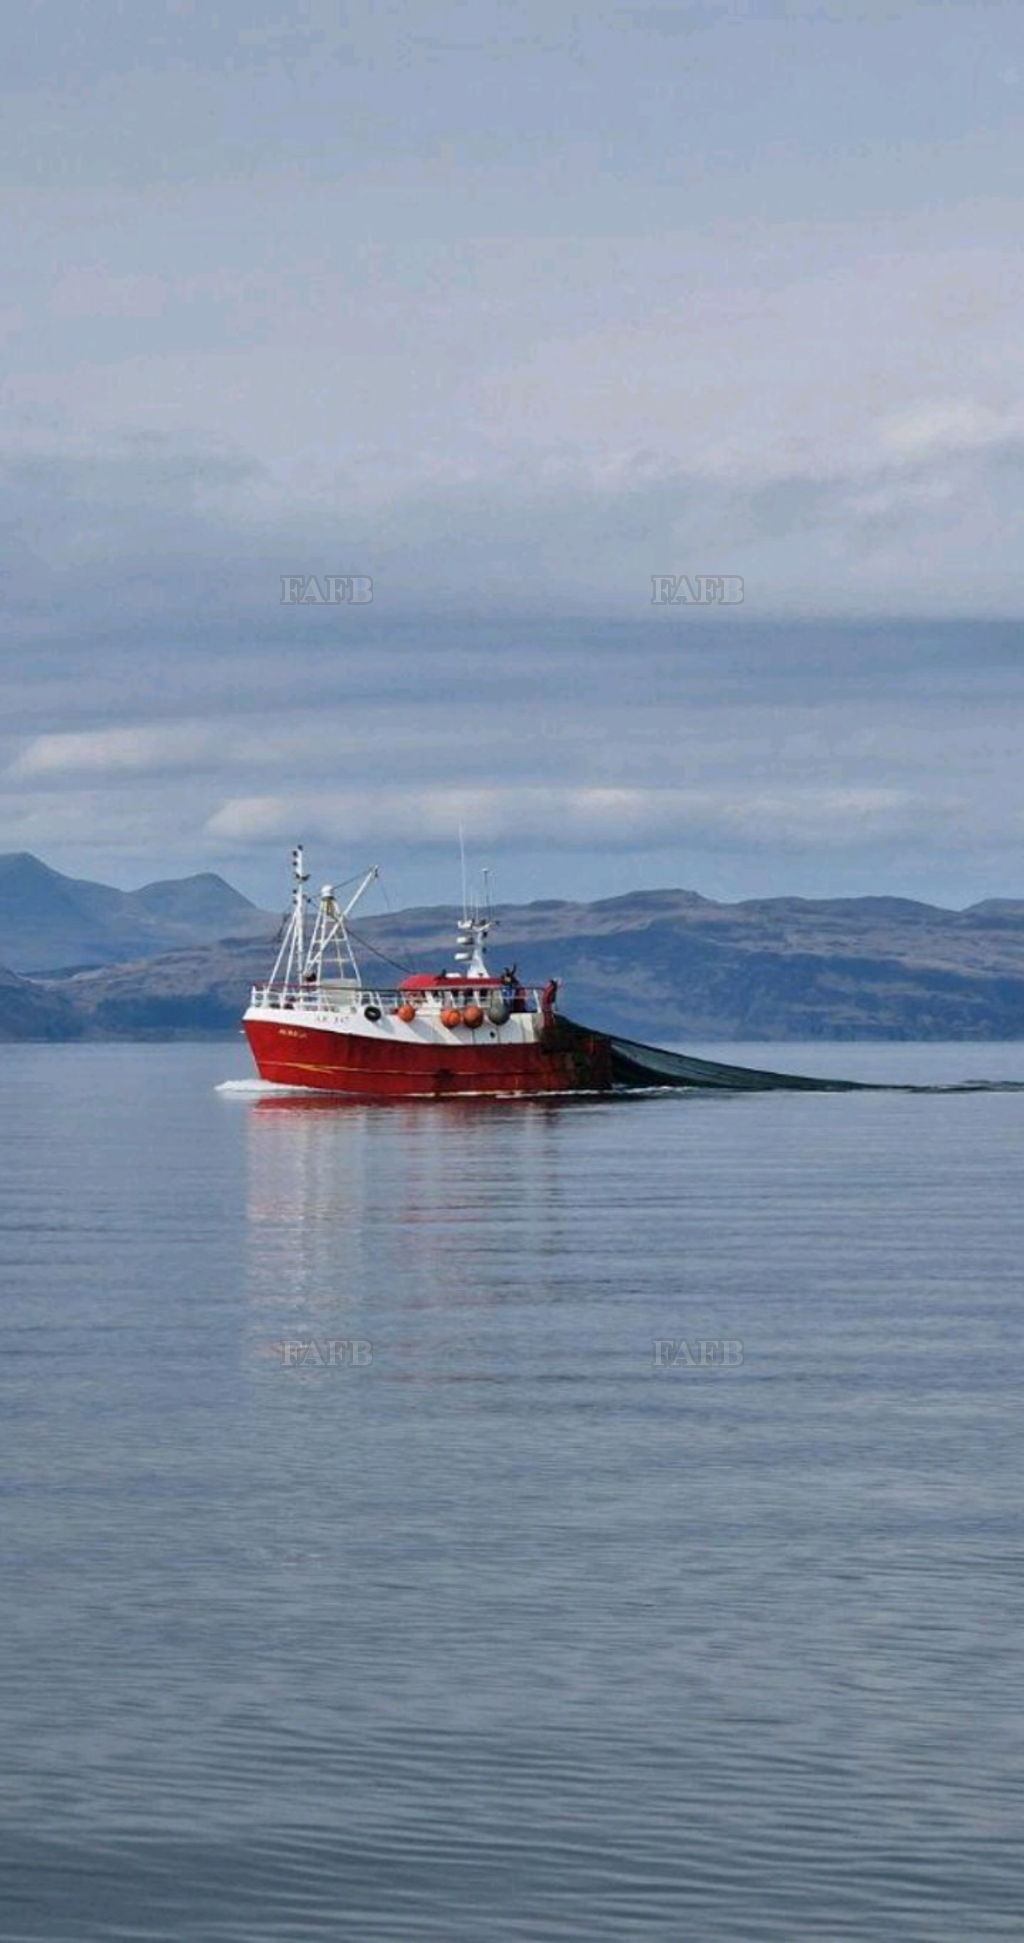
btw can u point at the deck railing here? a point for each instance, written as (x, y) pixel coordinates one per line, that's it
(320, 999)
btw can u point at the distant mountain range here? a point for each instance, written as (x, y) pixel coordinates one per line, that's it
(50, 923)
(179, 958)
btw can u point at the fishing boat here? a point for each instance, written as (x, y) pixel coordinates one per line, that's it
(318, 1025)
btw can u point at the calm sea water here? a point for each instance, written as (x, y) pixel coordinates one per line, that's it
(483, 1618)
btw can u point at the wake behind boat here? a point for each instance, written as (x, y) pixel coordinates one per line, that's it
(316, 1024)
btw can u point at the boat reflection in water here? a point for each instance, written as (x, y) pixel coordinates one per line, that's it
(397, 1227)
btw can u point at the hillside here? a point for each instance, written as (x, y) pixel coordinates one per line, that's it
(661, 965)
(28, 1011)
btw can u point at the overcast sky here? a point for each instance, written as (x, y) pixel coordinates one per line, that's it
(512, 307)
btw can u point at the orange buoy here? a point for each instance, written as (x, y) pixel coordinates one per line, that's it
(451, 1016)
(472, 1016)
(407, 1013)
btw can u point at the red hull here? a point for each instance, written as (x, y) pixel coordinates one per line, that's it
(564, 1060)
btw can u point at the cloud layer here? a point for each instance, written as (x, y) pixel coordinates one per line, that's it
(513, 311)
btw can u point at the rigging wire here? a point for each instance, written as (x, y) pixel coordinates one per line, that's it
(363, 942)
(346, 881)
(376, 951)
(401, 939)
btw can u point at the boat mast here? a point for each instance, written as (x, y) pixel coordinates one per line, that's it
(474, 924)
(288, 963)
(330, 936)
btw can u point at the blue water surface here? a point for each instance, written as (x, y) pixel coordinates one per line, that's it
(489, 1521)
